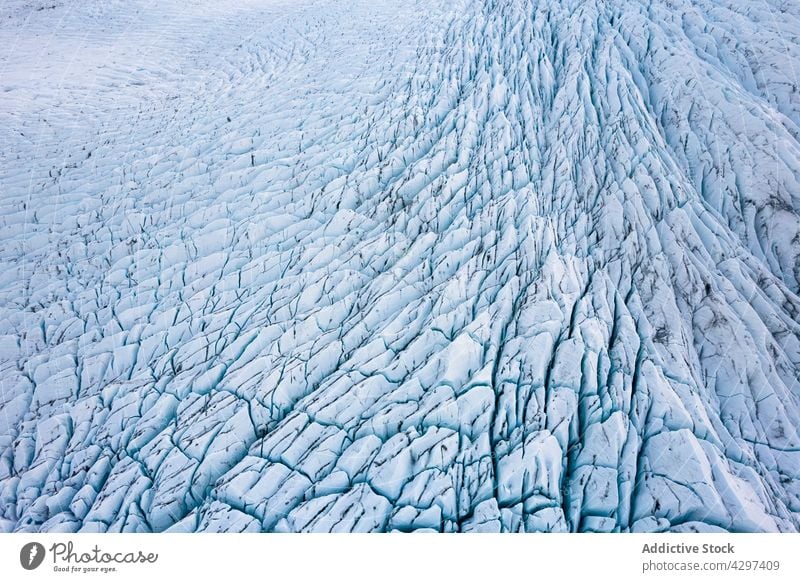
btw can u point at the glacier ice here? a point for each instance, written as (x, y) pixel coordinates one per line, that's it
(498, 265)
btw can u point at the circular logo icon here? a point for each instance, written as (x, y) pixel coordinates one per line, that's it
(31, 555)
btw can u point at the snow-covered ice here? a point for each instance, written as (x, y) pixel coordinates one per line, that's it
(449, 265)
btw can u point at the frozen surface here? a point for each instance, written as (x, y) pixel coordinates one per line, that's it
(453, 265)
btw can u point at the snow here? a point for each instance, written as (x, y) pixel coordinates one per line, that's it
(513, 265)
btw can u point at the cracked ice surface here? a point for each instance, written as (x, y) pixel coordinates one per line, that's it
(502, 265)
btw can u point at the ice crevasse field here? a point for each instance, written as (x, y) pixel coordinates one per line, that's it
(461, 266)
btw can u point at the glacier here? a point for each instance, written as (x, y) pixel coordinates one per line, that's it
(456, 266)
